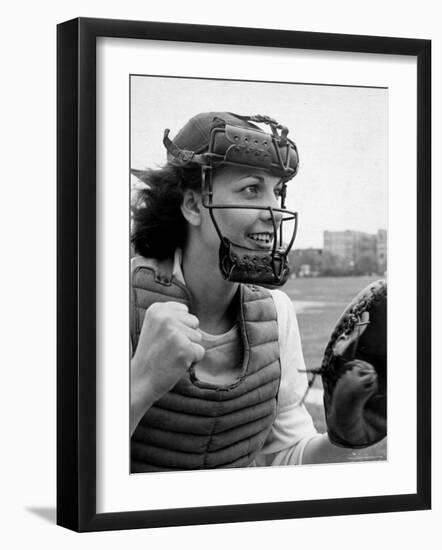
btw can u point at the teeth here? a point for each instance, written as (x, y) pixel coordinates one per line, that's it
(261, 237)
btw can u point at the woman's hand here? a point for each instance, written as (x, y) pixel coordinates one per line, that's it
(349, 418)
(169, 343)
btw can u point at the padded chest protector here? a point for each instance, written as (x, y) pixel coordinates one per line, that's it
(198, 424)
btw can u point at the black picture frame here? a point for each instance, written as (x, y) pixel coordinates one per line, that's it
(76, 273)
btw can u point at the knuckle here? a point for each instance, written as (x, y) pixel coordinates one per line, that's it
(174, 337)
(193, 320)
(180, 342)
(182, 354)
(155, 311)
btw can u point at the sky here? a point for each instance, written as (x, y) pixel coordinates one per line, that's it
(341, 134)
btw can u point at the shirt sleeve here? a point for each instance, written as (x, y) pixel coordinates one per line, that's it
(293, 426)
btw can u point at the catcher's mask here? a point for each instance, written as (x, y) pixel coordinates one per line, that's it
(210, 140)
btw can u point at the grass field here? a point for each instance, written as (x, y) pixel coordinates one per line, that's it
(319, 303)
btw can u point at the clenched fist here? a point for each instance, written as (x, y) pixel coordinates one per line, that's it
(169, 343)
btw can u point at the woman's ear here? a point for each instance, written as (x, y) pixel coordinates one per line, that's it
(191, 207)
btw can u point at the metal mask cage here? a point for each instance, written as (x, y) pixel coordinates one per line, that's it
(287, 215)
(277, 255)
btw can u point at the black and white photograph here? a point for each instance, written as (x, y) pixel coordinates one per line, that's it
(259, 262)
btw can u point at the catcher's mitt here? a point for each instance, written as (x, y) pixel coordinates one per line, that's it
(354, 371)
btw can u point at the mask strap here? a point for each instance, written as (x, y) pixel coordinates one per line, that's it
(182, 155)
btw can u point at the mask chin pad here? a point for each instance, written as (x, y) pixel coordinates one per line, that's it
(252, 267)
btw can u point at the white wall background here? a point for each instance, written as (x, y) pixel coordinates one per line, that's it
(27, 217)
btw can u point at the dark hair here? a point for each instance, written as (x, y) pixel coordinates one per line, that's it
(159, 226)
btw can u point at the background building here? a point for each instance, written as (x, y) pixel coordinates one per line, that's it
(344, 253)
(355, 252)
(381, 251)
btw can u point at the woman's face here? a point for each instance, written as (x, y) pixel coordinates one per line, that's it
(250, 228)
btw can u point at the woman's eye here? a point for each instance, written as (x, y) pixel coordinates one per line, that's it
(251, 190)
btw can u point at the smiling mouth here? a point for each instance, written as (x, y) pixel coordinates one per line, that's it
(263, 240)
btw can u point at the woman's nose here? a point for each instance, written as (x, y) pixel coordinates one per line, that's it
(269, 213)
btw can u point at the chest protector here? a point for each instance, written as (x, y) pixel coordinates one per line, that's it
(199, 424)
